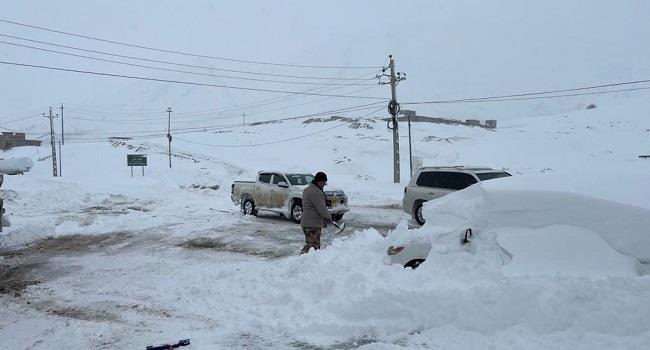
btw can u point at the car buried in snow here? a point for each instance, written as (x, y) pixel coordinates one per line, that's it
(281, 193)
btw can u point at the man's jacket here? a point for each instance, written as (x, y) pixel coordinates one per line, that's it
(314, 208)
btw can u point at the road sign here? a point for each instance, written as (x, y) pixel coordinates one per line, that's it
(136, 160)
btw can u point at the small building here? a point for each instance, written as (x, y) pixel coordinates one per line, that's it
(491, 123)
(10, 140)
(473, 122)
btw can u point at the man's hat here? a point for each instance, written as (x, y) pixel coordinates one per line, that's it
(320, 176)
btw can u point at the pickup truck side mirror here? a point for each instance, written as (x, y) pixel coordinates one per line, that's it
(283, 184)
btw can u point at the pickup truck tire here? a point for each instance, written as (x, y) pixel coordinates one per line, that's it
(417, 213)
(296, 211)
(248, 207)
(337, 217)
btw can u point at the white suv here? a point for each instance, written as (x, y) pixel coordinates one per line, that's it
(432, 182)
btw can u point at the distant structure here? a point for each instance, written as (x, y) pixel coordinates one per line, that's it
(10, 140)
(488, 124)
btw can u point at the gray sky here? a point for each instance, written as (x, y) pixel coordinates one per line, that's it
(449, 49)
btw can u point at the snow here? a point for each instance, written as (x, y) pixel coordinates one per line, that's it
(552, 265)
(560, 255)
(565, 250)
(15, 165)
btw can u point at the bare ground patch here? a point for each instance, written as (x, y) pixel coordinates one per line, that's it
(75, 312)
(219, 244)
(14, 279)
(18, 266)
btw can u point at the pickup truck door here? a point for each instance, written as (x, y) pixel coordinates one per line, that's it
(263, 190)
(279, 195)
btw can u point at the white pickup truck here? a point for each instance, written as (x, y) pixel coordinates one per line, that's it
(282, 193)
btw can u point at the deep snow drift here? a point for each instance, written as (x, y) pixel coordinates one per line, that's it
(554, 263)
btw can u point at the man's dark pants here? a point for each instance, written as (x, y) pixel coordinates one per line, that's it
(312, 239)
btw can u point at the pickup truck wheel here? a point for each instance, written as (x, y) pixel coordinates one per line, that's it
(337, 217)
(296, 212)
(248, 208)
(417, 213)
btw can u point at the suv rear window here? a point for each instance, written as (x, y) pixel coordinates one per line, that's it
(454, 181)
(426, 179)
(490, 176)
(445, 179)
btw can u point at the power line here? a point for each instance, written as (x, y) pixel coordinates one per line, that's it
(524, 96)
(277, 141)
(183, 82)
(179, 64)
(153, 114)
(187, 119)
(21, 119)
(223, 110)
(187, 53)
(230, 126)
(178, 70)
(264, 143)
(540, 97)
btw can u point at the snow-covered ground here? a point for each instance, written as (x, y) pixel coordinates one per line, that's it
(126, 262)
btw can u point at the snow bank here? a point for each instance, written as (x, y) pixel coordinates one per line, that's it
(346, 292)
(626, 228)
(14, 166)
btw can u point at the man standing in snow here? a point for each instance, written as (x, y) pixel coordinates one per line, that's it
(315, 215)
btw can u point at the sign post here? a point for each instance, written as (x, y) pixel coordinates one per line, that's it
(136, 160)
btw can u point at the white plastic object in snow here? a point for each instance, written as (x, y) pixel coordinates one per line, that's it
(13, 166)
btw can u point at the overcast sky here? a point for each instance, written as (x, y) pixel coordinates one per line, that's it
(449, 49)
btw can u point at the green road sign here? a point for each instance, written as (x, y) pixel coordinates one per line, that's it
(136, 160)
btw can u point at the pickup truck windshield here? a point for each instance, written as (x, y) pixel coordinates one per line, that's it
(300, 179)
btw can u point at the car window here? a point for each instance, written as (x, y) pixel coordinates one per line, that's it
(265, 178)
(426, 179)
(494, 175)
(454, 181)
(300, 179)
(277, 178)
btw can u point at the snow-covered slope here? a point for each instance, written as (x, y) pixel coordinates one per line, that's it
(593, 152)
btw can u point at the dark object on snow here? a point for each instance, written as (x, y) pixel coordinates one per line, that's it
(184, 342)
(646, 156)
(591, 106)
(468, 236)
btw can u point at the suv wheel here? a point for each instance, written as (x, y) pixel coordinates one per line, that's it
(417, 213)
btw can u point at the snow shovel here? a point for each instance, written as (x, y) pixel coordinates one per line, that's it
(339, 227)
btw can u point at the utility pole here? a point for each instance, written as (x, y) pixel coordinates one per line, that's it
(410, 114)
(62, 133)
(60, 160)
(393, 109)
(243, 119)
(51, 117)
(169, 135)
